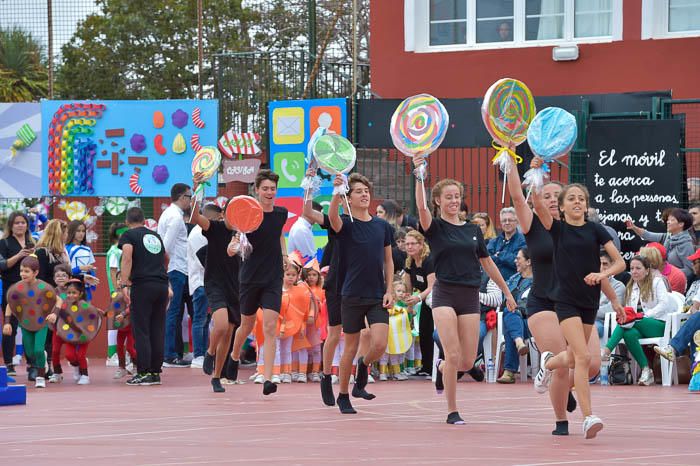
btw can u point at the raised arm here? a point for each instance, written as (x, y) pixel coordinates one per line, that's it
(538, 203)
(515, 188)
(424, 215)
(333, 213)
(309, 212)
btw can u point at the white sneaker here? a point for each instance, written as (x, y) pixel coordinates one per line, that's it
(120, 373)
(76, 373)
(254, 376)
(40, 382)
(84, 380)
(17, 360)
(591, 426)
(286, 378)
(544, 376)
(275, 379)
(113, 361)
(301, 378)
(370, 379)
(334, 379)
(315, 378)
(352, 379)
(383, 377)
(197, 363)
(647, 377)
(259, 379)
(188, 357)
(410, 371)
(666, 352)
(130, 368)
(56, 378)
(400, 376)
(295, 376)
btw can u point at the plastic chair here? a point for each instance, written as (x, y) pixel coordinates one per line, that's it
(500, 347)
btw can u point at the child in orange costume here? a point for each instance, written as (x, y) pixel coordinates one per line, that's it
(316, 331)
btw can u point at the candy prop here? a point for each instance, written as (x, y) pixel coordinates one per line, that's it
(336, 155)
(194, 142)
(158, 119)
(30, 304)
(76, 210)
(98, 210)
(78, 322)
(551, 135)
(25, 137)
(221, 201)
(116, 205)
(245, 214)
(151, 224)
(205, 163)
(160, 174)
(231, 144)
(507, 111)
(179, 118)
(114, 133)
(196, 118)
(312, 184)
(134, 182)
(179, 144)
(138, 143)
(158, 144)
(117, 307)
(84, 150)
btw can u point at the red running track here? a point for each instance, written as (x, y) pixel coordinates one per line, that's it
(183, 422)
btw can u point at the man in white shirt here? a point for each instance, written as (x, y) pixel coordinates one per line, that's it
(301, 235)
(172, 229)
(196, 257)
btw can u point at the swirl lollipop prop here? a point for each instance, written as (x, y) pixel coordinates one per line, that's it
(205, 163)
(551, 135)
(312, 184)
(336, 155)
(245, 214)
(418, 127)
(507, 111)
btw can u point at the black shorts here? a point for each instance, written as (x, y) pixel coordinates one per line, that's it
(219, 297)
(354, 310)
(565, 311)
(535, 305)
(334, 305)
(463, 299)
(254, 297)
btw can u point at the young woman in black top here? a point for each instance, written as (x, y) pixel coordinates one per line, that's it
(459, 253)
(576, 291)
(15, 246)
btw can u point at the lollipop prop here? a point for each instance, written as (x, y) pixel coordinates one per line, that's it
(336, 155)
(245, 214)
(312, 184)
(507, 111)
(205, 163)
(418, 127)
(551, 135)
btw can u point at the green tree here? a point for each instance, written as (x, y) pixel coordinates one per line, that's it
(23, 72)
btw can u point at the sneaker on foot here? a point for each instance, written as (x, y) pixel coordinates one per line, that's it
(130, 368)
(84, 380)
(647, 377)
(188, 357)
(56, 378)
(11, 369)
(295, 376)
(269, 388)
(121, 372)
(286, 378)
(383, 377)
(153, 379)
(315, 377)
(276, 379)
(232, 369)
(667, 352)
(544, 375)
(301, 378)
(40, 382)
(138, 379)
(259, 379)
(76, 373)
(175, 362)
(591, 426)
(327, 390)
(455, 418)
(400, 376)
(113, 361)
(197, 363)
(216, 385)
(208, 363)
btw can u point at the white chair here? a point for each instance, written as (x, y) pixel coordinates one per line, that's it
(500, 348)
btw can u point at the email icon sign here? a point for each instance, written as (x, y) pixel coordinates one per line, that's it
(288, 125)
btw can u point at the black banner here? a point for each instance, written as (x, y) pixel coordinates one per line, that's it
(634, 170)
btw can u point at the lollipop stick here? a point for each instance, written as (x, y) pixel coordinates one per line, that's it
(529, 191)
(503, 196)
(345, 197)
(194, 206)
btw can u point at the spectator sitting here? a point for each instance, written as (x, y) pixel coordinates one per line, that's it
(514, 324)
(694, 211)
(504, 248)
(678, 241)
(490, 299)
(647, 294)
(398, 252)
(656, 254)
(605, 305)
(486, 225)
(693, 287)
(679, 343)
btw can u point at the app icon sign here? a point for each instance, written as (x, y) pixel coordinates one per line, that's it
(288, 125)
(290, 166)
(327, 117)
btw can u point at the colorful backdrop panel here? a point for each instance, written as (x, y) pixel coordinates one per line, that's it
(20, 150)
(123, 148)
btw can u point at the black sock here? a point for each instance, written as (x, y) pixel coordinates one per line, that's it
(476, 373)
(362, 393)
(562, 428)
(216, 385)
(232, 370)
(361, 375)
(269, 388)
(327, 390)
(344, 404)
(439, 386)
(571, 403)
(455, 418)
(208, 364)
(83, 371)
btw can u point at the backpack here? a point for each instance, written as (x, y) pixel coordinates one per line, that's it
(619, 372)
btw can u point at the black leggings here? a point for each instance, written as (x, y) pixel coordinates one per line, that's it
(149, 301)
(8, 342)
(425, 331)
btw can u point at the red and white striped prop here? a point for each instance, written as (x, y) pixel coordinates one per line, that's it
(197, 118)
(194, 142)
(231, 144)
(134, 182)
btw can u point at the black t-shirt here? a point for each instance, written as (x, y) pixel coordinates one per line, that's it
(576, 254)
(399, 258)
(456, 250)
(264, 265)
(46, 267)
(220, 268)
(541, 248)
(362, 254)
(148, 257)
(331, 258)
(419, 275)
(10, 247)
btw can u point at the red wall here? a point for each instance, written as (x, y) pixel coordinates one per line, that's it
(624, 66)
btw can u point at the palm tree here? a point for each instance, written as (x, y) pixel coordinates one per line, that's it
(23, 68)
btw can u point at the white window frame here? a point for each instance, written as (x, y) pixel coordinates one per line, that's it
(655, 21)
(417, 29)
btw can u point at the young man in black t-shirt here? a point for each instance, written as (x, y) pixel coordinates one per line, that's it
(365, 250)
(261, 277)
(145, 284)
(221, 271)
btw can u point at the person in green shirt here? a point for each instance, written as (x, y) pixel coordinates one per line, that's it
(113, 265)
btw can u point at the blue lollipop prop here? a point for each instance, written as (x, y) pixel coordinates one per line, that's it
(551, 135)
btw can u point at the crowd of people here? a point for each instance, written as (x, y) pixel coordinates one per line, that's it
(386, 290)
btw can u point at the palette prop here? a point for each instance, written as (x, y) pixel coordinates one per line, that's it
(551, 135)
(507, 111)
(418, 127)
(336, 155)
(78, 322)
(312, 184)
(30, 304)
(245, 215)
(205, 163)
(117, 307)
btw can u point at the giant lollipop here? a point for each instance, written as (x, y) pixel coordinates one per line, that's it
(551, 135)
(507, 111)
(205, 164)
(336, 155)
(418, 127)
(245, 214)
(312, 184)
